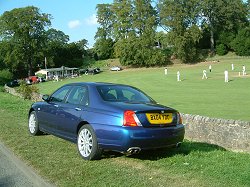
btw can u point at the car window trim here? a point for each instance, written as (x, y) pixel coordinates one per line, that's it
(63, 101)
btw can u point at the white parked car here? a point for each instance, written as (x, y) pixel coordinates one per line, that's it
(115, 68)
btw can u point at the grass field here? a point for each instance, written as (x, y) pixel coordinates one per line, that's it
(212, 97)
(193, 164)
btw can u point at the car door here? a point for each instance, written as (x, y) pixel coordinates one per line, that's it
(49, 112)
(70, 112)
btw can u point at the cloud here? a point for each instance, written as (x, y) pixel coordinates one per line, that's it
(92, 20)
(74, 24)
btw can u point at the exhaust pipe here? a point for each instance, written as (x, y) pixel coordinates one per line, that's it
(134, 150)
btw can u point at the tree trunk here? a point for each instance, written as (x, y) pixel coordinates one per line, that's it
(30, 69)
(212, 41)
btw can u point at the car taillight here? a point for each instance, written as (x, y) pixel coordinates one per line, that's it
(179, 119)
(129, 119)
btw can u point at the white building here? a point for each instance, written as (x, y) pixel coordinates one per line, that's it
(60, 72)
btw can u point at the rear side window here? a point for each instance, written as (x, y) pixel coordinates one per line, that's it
(60, 94)
(78, 96)
(121, 93)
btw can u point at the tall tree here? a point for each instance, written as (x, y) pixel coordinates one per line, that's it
(56, 42)
(222, 15)
(122, 18)
(103, 46)
(241, 44)
(144, 16)
(248, 9)
(82, 44)
(105, 19)
(179, 19)
(24, 30)
(138, 23)
(56, 36)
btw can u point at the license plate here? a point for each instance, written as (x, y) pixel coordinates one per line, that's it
(156, 118)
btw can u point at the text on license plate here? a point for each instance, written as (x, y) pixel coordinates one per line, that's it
(156, 118)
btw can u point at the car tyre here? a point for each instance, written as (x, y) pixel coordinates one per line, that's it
(87, 143)
(33, 124)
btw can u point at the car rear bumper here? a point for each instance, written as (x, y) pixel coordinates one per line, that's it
(123, 138)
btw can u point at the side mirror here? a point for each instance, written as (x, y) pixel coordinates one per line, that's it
(46, 98)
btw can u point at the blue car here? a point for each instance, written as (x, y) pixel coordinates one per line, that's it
(106, 117)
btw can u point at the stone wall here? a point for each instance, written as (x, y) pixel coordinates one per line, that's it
(12, 91)
(229, 134)
(34, 96)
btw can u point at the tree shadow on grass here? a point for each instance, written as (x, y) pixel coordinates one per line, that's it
(185, 149)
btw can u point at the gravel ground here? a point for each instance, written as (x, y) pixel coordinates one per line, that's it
(14, 173)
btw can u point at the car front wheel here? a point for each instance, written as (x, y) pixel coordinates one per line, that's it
(33, 124)
(87, 143)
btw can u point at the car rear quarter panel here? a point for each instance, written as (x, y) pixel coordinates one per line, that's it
(107, 124)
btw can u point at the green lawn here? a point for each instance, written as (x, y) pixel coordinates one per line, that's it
(194, 164)
(212, 97)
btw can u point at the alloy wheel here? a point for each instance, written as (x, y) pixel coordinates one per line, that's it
(32, 123)
(85, 142)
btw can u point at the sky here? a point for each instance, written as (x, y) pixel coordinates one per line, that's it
(76, 18)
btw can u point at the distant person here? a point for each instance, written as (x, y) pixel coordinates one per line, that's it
(232, 67)
(166, 71)
(210, 68)
(28, 81)
(56, 78)
(226, 75)
(243, 70)
(178, 76)
(204, 76)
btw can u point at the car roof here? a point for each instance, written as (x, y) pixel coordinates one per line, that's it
(93, 84)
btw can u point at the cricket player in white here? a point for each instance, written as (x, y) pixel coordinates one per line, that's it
(204, 76)
(226, 75)
(243, 70)
(166, 71)
(178, 76)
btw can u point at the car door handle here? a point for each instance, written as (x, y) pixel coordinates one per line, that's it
(56, 106)
(78, 109)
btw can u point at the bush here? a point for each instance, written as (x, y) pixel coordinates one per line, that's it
(241, 44)
(2, 89)
(5, 76)
(104, 48)
(221, 49)
(226, 38)
(138, 52)
(27, 90)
